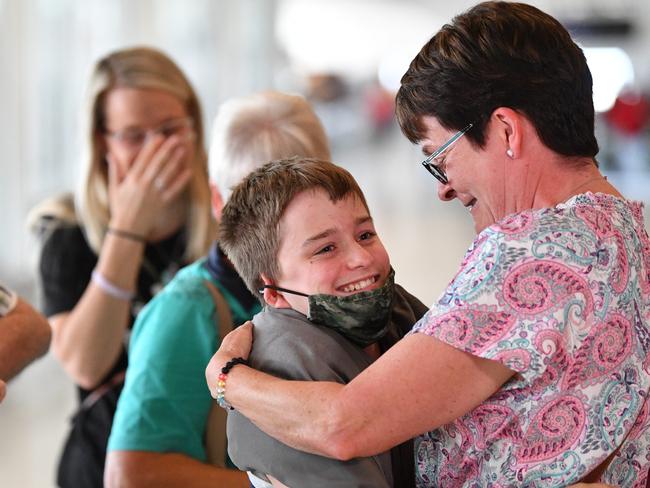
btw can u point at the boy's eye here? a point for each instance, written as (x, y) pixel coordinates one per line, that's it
(366, 235)
(326, 249)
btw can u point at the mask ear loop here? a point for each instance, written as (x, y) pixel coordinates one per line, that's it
(283, 290)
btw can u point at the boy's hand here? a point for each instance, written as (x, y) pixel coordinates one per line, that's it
(237, 344)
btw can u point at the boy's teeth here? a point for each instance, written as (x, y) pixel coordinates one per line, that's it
(359, 285)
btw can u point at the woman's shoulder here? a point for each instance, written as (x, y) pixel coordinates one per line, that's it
(52, 213)
(62, 238)
(55, 223)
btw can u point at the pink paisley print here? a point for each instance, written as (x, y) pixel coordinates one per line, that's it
(471, 329)
(621, 272)
(644, 281)
(560, 296)
(554, 429)
(642, 422)
(454, 472)
(515, 359)
(537, 286)
(595, 218)
(494, 421)
(516, 223)
(602, 352)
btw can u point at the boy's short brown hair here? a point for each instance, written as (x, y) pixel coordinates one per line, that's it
(249, 227)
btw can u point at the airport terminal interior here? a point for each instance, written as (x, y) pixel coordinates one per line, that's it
(345, 56)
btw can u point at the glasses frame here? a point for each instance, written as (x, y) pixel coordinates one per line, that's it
(435, 169)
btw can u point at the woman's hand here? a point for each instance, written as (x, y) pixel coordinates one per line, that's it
(157, 176)
(237, 344)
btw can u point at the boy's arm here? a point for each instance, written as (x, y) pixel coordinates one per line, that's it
(133, 469)
(158, 432)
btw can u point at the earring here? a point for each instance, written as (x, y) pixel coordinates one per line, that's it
(510, 153)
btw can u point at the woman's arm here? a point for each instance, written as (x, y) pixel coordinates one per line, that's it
(418, 385)
(89, 339)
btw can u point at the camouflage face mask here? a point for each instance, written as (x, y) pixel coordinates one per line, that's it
(361, 318)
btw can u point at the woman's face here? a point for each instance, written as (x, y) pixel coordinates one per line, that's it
(477, 177)
(134, 114)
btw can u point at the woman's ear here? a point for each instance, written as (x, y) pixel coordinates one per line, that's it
(273, 297)
(508, 126)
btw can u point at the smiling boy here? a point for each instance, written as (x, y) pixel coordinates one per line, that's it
(300, 234)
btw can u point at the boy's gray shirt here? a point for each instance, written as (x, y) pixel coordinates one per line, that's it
(288, 346)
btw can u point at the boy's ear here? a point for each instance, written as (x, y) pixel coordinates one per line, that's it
(273, 297)
(216, 200)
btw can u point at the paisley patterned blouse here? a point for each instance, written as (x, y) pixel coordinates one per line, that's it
(561, 296)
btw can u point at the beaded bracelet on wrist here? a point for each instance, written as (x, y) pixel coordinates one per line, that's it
(221, 383)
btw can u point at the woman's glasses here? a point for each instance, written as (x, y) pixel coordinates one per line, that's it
(133, 137)
(433, 164)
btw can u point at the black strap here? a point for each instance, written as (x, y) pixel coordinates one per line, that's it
(95, 395)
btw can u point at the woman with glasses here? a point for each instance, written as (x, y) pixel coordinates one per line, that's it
(142, 211)
(532, 368)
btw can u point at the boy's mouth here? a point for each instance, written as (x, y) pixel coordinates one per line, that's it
(359, 285)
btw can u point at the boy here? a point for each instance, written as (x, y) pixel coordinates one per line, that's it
(300, 235)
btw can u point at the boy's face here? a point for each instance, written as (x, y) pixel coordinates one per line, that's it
(328, 247)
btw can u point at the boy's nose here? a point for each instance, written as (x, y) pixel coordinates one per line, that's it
(359, 256)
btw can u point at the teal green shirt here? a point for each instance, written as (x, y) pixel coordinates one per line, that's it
(165, 402)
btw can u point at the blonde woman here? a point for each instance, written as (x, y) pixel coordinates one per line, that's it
(141, 212)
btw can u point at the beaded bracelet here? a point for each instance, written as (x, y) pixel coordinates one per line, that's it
(221, 383)
(126, 234)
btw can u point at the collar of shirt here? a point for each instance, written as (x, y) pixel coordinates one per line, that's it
(222, 271)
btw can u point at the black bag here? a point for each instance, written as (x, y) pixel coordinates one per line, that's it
(84, 453)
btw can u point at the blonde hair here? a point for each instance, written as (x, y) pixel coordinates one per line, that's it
(250, 131)
(143, 68)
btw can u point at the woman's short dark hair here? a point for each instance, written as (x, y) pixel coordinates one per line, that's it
(501, 54)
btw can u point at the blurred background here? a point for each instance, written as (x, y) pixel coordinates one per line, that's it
(345, 56)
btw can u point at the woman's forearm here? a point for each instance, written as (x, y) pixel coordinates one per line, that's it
(416, 386)
(89, 339)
